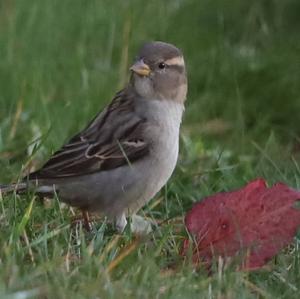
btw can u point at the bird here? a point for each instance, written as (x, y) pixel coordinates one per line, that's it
(129, 150)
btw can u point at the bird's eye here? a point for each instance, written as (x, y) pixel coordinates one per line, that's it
(162, 65)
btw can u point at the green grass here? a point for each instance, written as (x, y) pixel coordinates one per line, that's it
(62, 61)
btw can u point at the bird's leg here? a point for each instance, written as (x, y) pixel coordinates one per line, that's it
(86, 220)
(121, 223)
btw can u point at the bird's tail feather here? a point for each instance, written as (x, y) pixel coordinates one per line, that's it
(23, 187)
(18, 188)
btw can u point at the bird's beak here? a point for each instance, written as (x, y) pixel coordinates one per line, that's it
(141, 68)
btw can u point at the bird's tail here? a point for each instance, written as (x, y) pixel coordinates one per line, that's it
(18, 188)
(23, 187)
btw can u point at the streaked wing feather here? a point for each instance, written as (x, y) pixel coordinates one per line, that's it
(114, 138)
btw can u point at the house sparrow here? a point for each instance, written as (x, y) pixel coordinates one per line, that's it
(128, 152)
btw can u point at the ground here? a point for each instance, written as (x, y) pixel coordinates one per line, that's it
(61, 61)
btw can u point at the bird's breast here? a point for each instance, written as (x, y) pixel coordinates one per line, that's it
(165, 143)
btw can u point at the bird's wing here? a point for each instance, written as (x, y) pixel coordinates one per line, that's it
(114, 138)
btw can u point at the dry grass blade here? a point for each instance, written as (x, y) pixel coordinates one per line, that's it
(16, 119)
(30, 252)
(111, 244)
(123, 254)
(253, 287)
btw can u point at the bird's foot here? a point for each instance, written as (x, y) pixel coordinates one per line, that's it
(120, 223)
(140, 226)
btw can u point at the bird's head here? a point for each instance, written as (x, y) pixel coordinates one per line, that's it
(159, 72)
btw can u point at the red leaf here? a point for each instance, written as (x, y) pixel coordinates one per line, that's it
(255, 219)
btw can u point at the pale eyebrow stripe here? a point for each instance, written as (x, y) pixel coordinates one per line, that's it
(175, 61)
